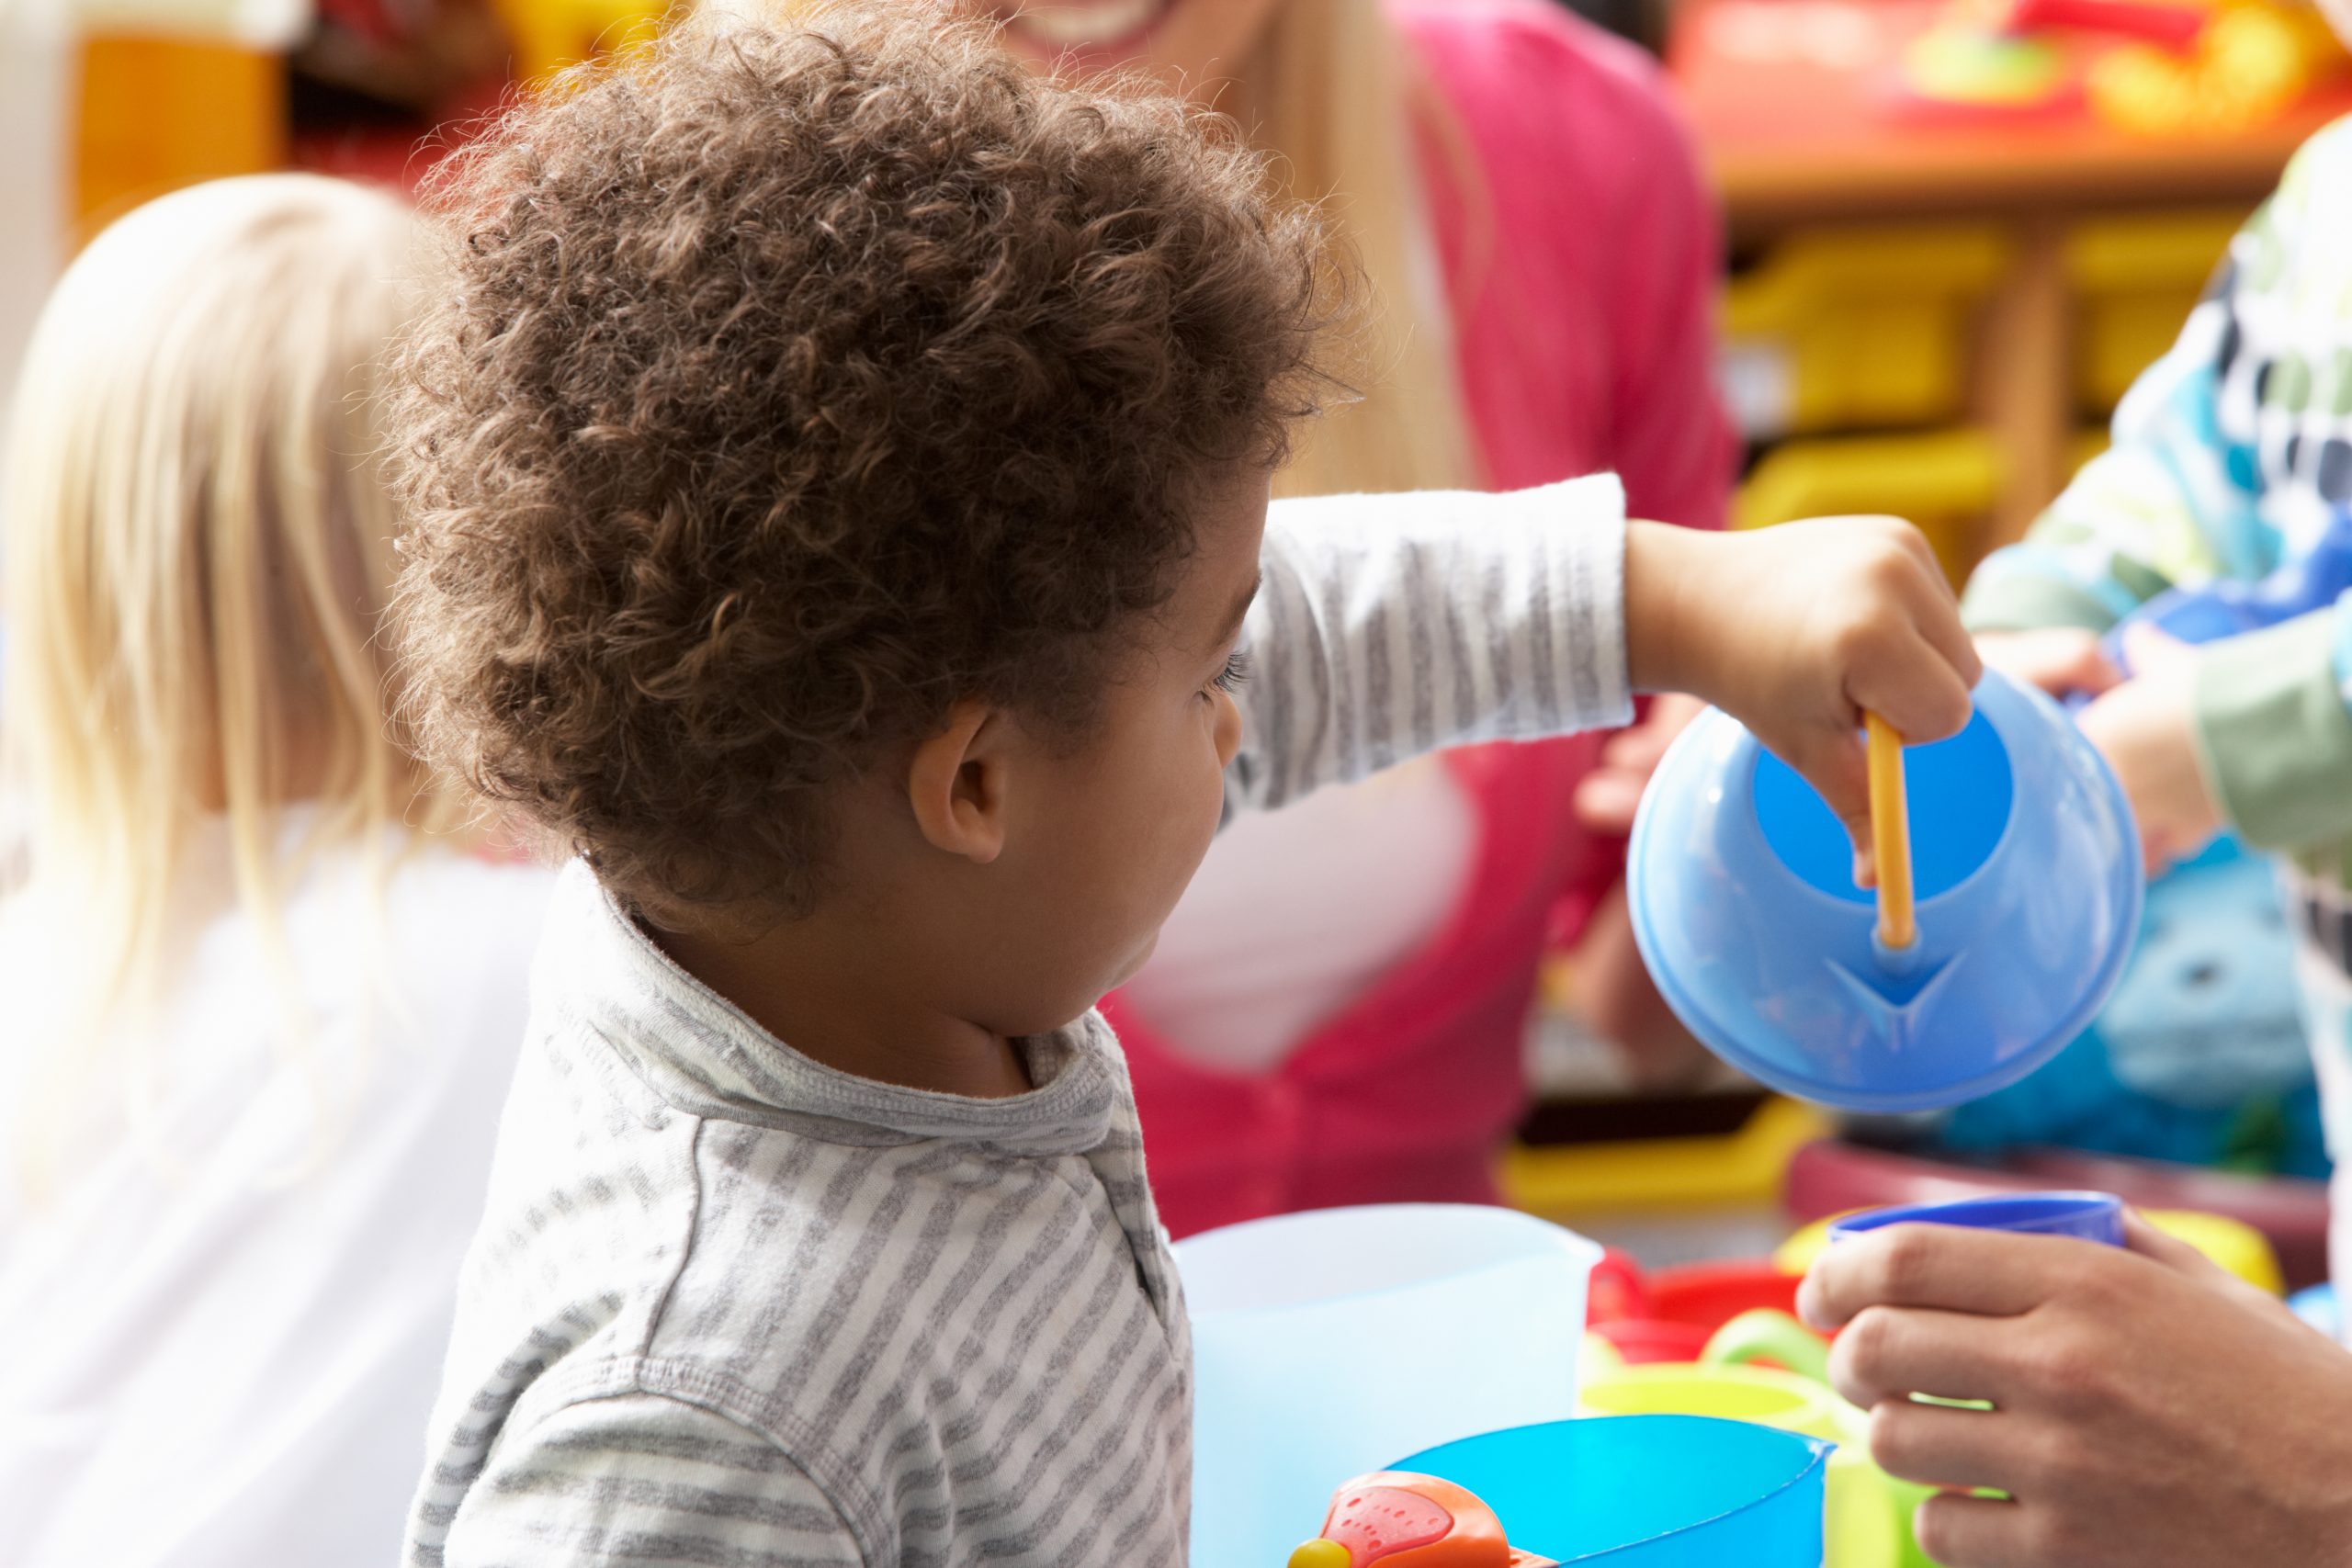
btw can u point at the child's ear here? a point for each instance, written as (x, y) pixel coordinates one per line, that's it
(957, 781)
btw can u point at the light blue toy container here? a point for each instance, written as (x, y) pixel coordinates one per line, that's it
(2026, 873)
(1326, 1343)
(1645, 1491)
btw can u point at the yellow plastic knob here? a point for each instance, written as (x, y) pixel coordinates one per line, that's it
(1322, 1553)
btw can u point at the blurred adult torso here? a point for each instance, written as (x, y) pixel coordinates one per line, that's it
(1336, 1009)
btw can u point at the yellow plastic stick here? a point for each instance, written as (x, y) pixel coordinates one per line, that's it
(1891, 835)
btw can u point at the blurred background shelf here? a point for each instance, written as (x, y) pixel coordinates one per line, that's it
(1981, 281)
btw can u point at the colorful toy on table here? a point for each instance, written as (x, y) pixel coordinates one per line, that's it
(1969, 72)
(2251, 63)
(2014, 870)
(1671, 1315)
(2153, 67)
(1410, 1521)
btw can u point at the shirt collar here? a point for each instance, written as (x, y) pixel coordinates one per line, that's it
(598, 970)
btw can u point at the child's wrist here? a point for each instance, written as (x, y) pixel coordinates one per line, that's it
(1666, 647)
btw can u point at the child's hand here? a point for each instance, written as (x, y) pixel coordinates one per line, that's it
(2061, 660)
(1796, 631)
(2146, 728)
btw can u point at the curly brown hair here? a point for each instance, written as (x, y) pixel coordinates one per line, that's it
(780, 388)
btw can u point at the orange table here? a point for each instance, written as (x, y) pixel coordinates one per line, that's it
(1802, 123)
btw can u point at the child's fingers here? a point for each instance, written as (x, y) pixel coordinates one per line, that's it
(1916, 688)
(2154, 651)
(2087, 668)
(1606, 800)
(1831, 760)
(1937, 615)
(1926, 595)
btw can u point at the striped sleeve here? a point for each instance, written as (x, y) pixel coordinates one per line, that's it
(648, 1482)
(1390, 626)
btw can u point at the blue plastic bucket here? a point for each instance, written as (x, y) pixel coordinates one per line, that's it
(2026, 869)
(1645, 1491)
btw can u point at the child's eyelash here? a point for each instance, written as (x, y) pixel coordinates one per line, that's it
(1236, 671)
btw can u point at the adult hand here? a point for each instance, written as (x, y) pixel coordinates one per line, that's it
(2146, 728)
(2149, 1411)
(2062, 660)
(1606, 797)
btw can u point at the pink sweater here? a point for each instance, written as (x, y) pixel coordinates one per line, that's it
(1587, 261)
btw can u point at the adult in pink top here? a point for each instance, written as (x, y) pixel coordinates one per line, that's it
(1337, 1012)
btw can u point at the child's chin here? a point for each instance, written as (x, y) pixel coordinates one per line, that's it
(1134, 965)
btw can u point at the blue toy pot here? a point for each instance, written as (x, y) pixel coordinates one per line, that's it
(1647, 1491)
(2026, 870)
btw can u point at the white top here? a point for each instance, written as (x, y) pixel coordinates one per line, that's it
(225, 1360)
(731, 1305)
(1289, 919)
(1294, 914)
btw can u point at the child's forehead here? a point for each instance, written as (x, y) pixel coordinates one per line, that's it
(1220, 575)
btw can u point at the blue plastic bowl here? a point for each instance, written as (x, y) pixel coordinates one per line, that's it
(1647, 1491)
(2092, 1216)
(2026, 870)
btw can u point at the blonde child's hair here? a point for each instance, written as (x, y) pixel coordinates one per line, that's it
(1330, 90)
(195, 552)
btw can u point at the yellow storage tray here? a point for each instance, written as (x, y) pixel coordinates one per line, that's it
(1858, 328)
(2135, 278)
(1944, 481)
(1742, 1166)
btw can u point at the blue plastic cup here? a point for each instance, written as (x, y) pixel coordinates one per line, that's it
(2092, 1216)
(1647, 1491)
(2026, 876)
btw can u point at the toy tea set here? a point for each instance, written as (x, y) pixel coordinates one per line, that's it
(1436, 1352)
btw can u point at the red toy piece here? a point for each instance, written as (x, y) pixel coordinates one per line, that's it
(1401, 1520)
(2172, 24)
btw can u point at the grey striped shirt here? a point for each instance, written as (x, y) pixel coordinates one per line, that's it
(730, 1306)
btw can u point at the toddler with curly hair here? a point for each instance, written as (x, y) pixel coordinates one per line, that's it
(837, 467)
